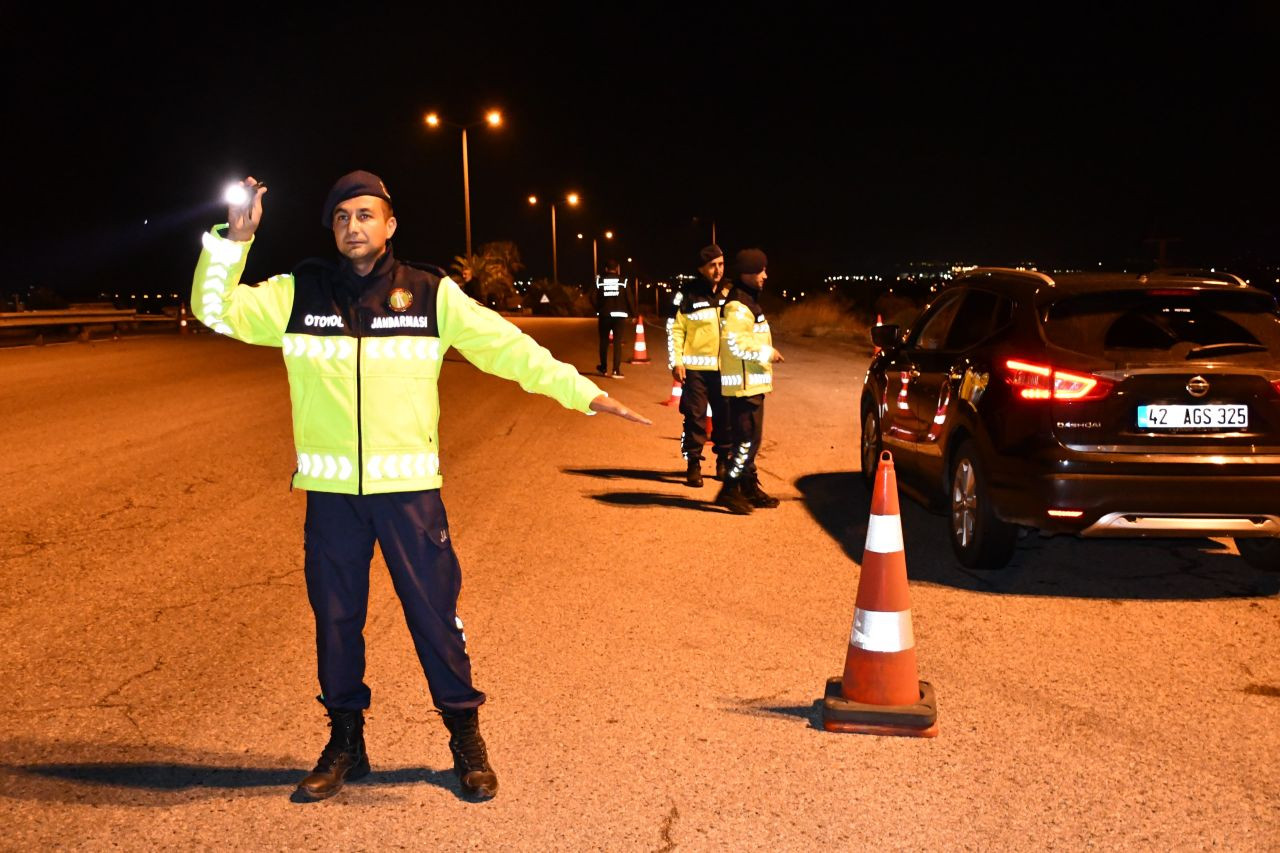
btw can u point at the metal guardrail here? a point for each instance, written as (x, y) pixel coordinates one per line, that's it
(96, 317)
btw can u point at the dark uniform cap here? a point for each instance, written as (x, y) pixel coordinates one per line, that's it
(750, 261)
(709, 254)
(352, 185)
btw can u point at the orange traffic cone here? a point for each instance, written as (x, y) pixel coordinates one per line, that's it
(708, 422)
(677, 391)
(641, 353)
(879, 322)
(880, 692)
(182, 318)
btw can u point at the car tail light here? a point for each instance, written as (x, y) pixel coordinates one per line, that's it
(1042, 382)
(1276, 385)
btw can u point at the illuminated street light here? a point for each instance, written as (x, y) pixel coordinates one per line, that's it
(595, 264)
(572, 199)
(493, 118)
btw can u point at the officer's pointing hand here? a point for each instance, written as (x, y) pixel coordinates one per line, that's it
(242, 220)
(605, 403)
(776, 356)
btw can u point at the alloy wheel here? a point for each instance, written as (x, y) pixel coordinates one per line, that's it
(964, 503)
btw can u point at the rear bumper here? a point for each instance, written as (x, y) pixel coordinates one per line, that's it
(1195, 500)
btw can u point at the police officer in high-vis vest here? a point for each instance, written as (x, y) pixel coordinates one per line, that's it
(693, 347)
(615, 306)
(746, 376)
(363, 341)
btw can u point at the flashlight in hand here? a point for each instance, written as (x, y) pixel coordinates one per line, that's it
(239, 195)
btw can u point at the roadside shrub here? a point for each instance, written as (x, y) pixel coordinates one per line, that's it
(821, 317)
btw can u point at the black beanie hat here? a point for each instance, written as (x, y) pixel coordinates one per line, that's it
(709, 254)
(352, 185)
(750, 261)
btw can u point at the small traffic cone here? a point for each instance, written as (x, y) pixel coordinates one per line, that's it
(708, 422)
(641, 353)
(879, 322)
(880, 692)
(182, 319)
(677, 391)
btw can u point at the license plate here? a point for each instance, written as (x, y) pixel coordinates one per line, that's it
(1208, 416)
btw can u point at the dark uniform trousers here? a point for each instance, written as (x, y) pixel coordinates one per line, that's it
(413, 532)
(747, 416)
(604, 325)
(702, 388)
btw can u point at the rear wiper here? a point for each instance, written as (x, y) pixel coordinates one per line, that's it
(1225, 349)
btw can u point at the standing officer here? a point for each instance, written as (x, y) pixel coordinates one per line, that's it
(693, 346)
(746, 375)
(363, 342)
(615, 307)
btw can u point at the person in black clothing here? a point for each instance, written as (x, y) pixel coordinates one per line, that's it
(615, 307)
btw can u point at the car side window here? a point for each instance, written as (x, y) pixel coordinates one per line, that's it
(981, 314)
(933, 331)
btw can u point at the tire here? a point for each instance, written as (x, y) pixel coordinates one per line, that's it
(979, 538)
(1260, 553)
(870, 446)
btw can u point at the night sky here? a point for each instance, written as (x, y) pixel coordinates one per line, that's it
(836, 139)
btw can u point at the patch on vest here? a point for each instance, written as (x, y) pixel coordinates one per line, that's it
(400, 299)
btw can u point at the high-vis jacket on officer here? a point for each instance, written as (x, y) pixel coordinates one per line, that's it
(693, 334)
(746, 351)
(363, 386)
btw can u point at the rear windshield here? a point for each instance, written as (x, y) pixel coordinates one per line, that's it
(1179, 324)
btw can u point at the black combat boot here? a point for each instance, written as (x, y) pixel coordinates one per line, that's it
(732, 498)
(757, 496)
(693, 476)
(344, 758)
(470, 760)
(722, 469)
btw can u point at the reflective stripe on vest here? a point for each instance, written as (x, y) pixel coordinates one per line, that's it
(317, 346)
(324, 467)
(701, 360)
(402, 466)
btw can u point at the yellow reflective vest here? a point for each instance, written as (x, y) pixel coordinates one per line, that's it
(362, 380)
(746, 348)
(693, 334)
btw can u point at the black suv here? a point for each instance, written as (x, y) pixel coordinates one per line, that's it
(1091, 404)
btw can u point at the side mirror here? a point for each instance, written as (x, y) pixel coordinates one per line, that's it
(884, 336)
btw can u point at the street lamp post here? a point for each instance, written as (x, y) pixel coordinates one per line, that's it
(493, 118)
(572, 199)
(595, 263)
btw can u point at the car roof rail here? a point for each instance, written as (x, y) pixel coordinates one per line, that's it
(1193, 272)
(1036, 274)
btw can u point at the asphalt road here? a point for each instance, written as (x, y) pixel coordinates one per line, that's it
(653, 664)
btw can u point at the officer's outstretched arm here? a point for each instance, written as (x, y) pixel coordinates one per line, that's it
(605, 403)
(495, 345)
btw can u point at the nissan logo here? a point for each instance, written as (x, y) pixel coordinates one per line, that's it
(1198, 386)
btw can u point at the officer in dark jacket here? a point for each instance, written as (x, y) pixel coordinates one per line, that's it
(615, 308)
(363, 341)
